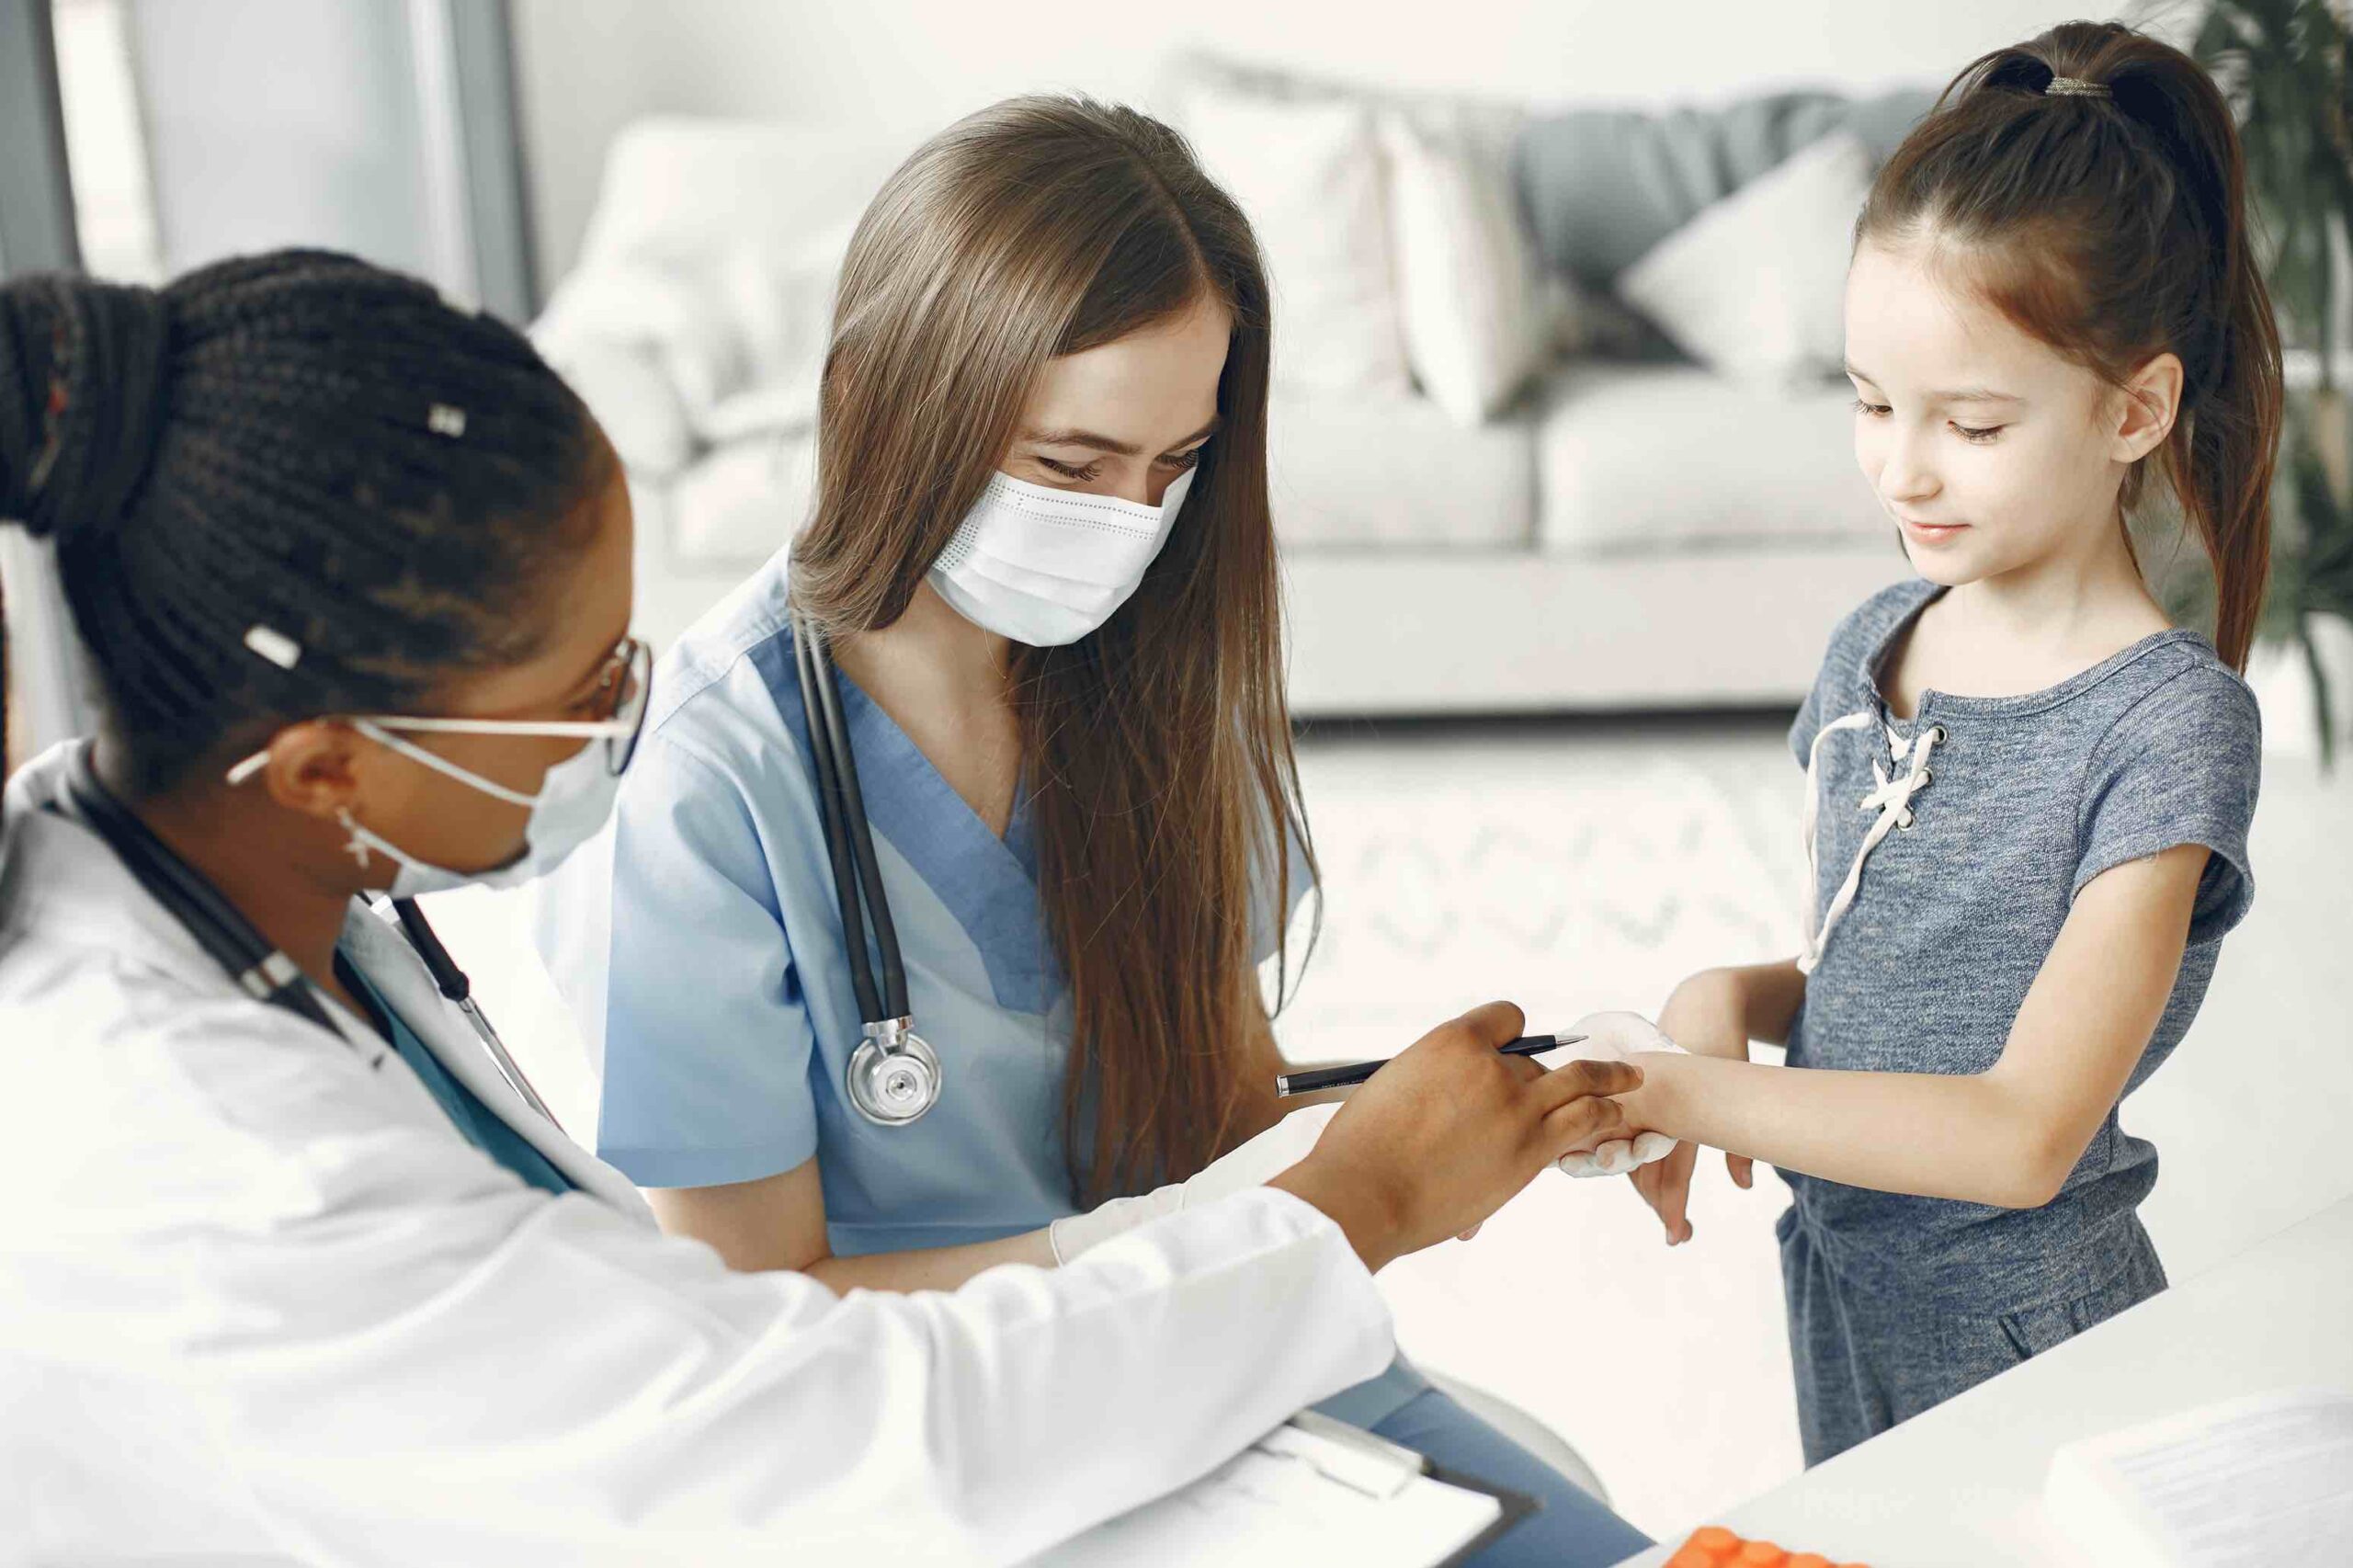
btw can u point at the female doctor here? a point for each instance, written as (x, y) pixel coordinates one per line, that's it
(291, 1271)
(1042, 563)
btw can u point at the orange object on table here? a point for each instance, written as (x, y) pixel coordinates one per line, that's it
(1712, 1546)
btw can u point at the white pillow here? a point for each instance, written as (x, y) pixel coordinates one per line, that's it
(781, 300)
(740, 503)
(1308, 176)
(1476, 317)
(635, 402)
(1753, 286)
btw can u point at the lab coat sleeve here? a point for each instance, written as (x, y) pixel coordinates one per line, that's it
(417, 1359)
(665, 939)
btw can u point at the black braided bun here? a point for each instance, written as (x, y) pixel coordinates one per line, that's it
(82, 378)
(299, 441)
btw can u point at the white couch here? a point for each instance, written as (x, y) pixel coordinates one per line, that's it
(1622, 536)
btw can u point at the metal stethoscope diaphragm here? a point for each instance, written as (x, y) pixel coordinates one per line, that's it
(893, 1074)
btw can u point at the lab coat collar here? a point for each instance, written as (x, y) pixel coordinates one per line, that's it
(381, 953)
(60, 877)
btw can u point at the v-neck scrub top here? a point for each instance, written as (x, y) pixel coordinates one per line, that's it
(700, 946)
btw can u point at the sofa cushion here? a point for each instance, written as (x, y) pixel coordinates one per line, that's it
(1641, 458)
(1362, 472)
(1477, 316)
(1602, 187)
(1754, 287)
(1308, 174)
(740, 503)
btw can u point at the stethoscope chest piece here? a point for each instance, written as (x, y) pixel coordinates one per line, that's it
(894, 1076)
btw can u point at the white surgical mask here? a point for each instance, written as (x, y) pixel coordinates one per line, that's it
(573, 802)
(574, 799)
(1045, 566)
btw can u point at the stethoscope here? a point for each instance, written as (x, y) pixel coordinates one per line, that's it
(894, 1076)
(261, 970)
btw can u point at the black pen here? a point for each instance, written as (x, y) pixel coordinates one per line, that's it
(1314, 1078)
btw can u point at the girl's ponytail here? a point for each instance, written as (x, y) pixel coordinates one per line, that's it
(2225, 444)
(2108, 218)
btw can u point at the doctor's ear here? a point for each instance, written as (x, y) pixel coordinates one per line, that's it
(2151, 401)
(312, 768)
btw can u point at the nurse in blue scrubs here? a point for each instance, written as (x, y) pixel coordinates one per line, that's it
(1042, 558)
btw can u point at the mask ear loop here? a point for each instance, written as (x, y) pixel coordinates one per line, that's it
(385, 737)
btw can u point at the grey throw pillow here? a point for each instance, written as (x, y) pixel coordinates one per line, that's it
(1601, 188)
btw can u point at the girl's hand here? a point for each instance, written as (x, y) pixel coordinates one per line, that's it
(1631, 1038)
(1448, 1131)
(1706, 1016)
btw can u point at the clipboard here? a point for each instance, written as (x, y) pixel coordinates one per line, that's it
(1311, 1490)
(1516, 1505)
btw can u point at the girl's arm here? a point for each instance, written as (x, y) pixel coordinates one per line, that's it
(2006, 1136)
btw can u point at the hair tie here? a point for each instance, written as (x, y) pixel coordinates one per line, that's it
(2077, 87)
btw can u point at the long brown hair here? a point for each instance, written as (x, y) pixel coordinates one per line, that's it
(2114, 228)
(1156, 750)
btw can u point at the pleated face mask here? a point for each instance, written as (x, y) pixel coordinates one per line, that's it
(1045, 566)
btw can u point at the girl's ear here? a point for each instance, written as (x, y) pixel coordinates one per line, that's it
(2152, 399)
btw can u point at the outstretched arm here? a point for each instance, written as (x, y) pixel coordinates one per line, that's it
(2006, 1136)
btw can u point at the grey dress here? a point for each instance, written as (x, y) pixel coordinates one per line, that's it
(1896, 1303)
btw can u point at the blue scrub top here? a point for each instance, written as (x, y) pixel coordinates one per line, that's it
(699, 947)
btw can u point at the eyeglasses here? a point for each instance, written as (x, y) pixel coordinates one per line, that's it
(622, 686)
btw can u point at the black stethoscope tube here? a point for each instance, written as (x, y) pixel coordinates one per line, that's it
(264, 972)
(230, 939)
(849, 837)
(837, 850)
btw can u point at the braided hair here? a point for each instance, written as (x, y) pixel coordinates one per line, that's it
(299, 442)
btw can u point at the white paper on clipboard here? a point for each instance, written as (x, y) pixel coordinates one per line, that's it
(1311, 1491)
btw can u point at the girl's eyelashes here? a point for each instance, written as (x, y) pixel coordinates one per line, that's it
(1182, 460)
(1978, 435)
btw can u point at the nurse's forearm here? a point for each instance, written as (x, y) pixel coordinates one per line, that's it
(931, 1269)
(778, 1224)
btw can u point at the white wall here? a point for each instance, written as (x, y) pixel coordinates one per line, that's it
(586, 67)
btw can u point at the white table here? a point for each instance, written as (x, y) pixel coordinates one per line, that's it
(1963, 1483)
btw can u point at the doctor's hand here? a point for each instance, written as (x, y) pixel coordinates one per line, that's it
(1448, 1132)
(1706, 1017)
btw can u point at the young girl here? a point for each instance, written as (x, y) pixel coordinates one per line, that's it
(2029, 795)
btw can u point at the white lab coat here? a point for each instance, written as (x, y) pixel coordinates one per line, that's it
(260, 1300)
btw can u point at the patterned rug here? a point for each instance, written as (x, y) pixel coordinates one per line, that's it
(1568, 867)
